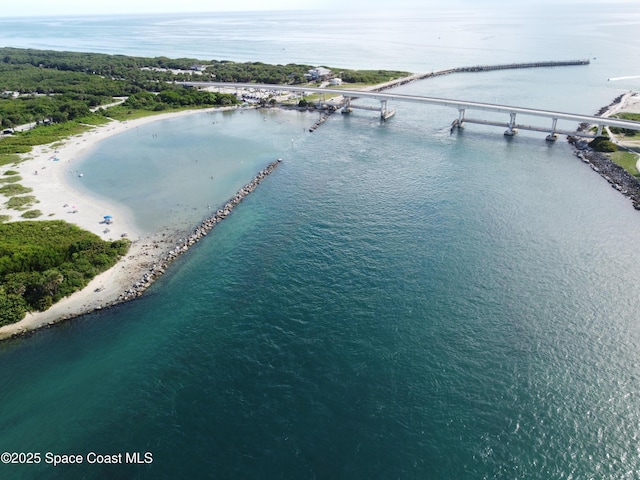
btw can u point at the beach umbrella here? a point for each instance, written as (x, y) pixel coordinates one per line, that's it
(107, 217)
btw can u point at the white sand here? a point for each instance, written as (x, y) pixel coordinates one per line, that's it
(630, 102)
(57, 199)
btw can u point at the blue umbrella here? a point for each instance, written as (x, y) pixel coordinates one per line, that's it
(107, 216)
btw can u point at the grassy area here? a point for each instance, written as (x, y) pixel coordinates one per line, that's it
(94, 120)
(9, 159)
(352, 86)
(14, 189)
(4, 218)
(11, 179)
(316, 97)
(31, 214)
(628, 134)
(126, 113)
(627, 161)
(21, 202)
(628, 116)
(22, 142)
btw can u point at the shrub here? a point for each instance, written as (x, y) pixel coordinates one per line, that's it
(21, 203)
(44, 261)
(14, 189)
(31, 214)
(11, 179)
(603, 144)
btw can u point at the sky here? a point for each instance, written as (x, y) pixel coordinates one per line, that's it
(95, 7)
(12, 8)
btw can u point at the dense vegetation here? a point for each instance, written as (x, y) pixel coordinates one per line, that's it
(44, 261)
(130, 74)
(624, 131)
(55, 87)
(65, 93)
(603, 144)
(370, 76)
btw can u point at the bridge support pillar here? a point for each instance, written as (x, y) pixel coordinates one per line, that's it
(385, 114)
(599, 131)
(511, 131)
(552, 137)
(347, 105)
(459, 122)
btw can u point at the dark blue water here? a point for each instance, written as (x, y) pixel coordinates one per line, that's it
(392, 302)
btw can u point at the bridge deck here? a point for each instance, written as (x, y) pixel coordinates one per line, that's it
(444, 102)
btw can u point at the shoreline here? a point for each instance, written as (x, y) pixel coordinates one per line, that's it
(144, 263)
(600, 163)
(151, 253)
(58, 199)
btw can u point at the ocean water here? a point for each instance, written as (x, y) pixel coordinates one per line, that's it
(392, 302)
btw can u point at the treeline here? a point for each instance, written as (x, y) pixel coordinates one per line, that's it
(176, 98)
(47, 71)
(56, 87)
(57, 109)
(44, 261)
(69, 107)
(370, 76)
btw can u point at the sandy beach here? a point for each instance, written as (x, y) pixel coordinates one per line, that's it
(58, 200)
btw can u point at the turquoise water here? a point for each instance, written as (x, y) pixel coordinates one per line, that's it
(392, 302)
(173, 172)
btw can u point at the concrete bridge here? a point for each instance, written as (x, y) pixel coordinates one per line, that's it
(462, 106)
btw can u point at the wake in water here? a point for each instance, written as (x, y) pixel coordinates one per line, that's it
(622, 78)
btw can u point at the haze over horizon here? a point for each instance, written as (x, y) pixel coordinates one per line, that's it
(33, 8)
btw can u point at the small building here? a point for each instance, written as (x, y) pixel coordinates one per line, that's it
(335, 81)
(318, 73)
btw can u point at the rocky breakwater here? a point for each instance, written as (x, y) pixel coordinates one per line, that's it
(182, 245)
(600, 163)
(323, 119)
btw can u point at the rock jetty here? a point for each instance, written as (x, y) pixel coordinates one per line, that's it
(477, 68)
(322, 119)
(600, 163)
(184, 244)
